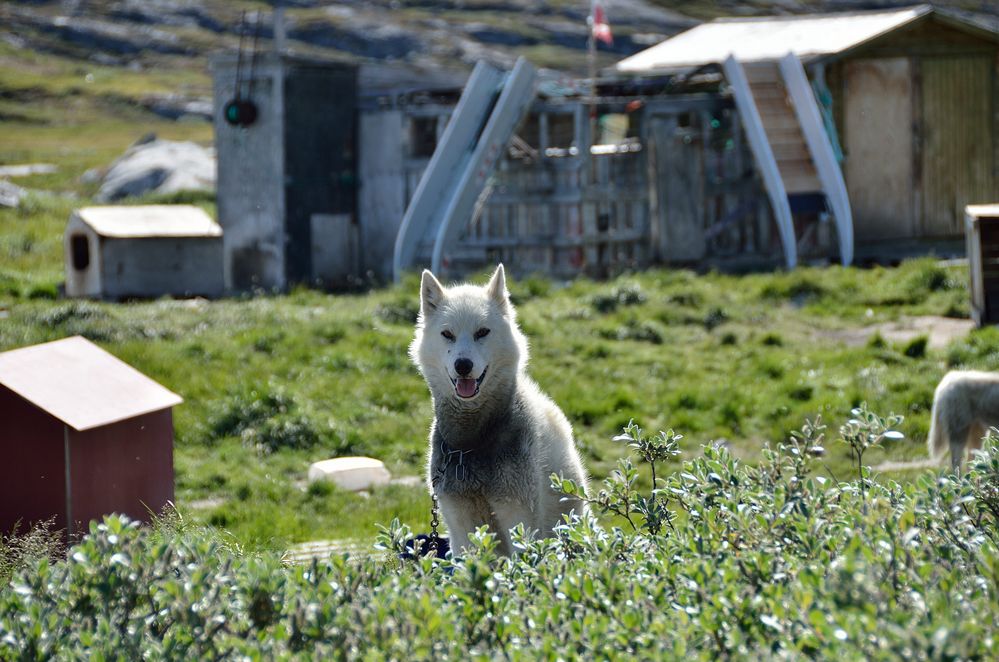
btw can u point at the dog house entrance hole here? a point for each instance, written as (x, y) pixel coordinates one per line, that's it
(80, 249)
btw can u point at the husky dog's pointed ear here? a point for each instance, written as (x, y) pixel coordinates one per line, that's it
(431, 294)
(496, 289)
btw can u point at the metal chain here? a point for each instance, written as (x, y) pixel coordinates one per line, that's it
(435, 509)
(434, 523)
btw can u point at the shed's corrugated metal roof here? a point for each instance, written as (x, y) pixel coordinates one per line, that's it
(79, 383)
(149, 221)
(769, 38)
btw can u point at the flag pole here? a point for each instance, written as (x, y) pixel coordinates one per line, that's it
(591, 61)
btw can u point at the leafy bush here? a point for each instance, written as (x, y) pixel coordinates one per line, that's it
(634, 329)
(930, 277)
(716, 559)
(75, 310)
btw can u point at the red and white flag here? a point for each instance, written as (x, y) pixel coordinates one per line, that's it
(599, 25)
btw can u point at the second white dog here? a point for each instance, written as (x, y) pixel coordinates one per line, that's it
(965, 405)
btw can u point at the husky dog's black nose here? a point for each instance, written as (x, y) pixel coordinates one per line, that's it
(463, 367)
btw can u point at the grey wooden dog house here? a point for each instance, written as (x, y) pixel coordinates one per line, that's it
(148, 251)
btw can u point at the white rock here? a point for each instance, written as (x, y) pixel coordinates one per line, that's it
(351, 473)
(10, 194)
(25, 169)
(159, 166)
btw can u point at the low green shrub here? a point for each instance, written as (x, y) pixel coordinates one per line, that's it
(267, 420)
(285, 431)
(73, 311)
(710, 559)
(793, 285)
(44, 291)
(916, 348)
(625, 294)
(242, 411)
(772, 340)
(715, 318)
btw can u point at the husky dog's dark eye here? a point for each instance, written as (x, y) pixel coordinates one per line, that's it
(448, 335)
(481, 333)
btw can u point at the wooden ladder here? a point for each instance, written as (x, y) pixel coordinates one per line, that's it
(783, 132)
(792, 149)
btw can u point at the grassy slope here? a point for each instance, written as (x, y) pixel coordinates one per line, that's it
(741, 358)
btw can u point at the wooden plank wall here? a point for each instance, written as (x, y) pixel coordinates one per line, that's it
(681, 189)
(558, 209)
(957, 146)
(878, 120)
(921, 141)
(563, 216)
(710, 208)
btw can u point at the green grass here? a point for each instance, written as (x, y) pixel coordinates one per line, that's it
(744, 358)
(739, 358)
(81, 115)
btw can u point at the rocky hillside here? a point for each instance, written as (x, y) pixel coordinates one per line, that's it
(153, 53)
(150, 32)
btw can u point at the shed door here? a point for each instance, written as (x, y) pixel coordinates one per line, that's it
(679, 195)
(878, 165)
(957, 141)
(319, 138)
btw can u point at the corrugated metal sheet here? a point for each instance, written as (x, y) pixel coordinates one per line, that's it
(957, 158)
(769, 38)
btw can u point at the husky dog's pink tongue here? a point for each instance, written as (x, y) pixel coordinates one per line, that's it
(465, 387)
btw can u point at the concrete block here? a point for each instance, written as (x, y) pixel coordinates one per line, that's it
(350, 473)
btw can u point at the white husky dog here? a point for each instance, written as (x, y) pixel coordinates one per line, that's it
(496, 438)
(965, 405)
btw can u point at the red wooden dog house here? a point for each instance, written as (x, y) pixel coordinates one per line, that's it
(82, 434)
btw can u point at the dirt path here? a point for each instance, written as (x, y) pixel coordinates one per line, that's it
(940, 331)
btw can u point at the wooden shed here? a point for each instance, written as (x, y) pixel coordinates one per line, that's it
(146, 251)
(313, 189)
(911, 98)
(83, 434)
